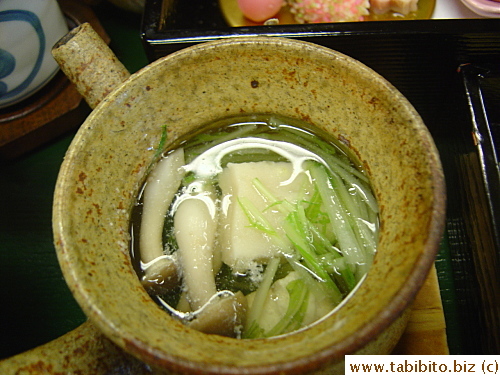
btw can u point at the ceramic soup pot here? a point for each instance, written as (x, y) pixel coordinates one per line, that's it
(109, 158)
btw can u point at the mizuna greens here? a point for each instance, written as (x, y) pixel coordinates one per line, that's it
(268, 225)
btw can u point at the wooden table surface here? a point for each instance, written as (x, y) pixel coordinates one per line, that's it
(426, 330)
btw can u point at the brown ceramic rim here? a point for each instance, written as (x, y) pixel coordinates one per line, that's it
(395, 308)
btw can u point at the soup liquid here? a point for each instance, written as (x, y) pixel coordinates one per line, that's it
(288, 227)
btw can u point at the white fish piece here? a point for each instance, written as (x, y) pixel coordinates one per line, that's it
(242, 245)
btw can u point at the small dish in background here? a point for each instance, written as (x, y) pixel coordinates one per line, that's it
(28, 30)
(235, 18)
(486, 8)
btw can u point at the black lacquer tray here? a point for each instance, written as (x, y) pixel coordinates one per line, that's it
(450, 72)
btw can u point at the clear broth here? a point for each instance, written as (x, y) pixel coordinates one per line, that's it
(271, 140)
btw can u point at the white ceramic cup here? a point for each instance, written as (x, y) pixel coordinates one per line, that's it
(28, 30)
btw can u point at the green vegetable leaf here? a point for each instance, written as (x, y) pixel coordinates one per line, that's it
(258, 221)
(297, 308)
(252, 329)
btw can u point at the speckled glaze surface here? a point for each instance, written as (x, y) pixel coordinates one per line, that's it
(82, 54)
(110, 156)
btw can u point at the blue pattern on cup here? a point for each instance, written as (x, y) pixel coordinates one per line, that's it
(7, 60)
(7, 66)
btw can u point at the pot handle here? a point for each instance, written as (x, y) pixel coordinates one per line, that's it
(89, 63)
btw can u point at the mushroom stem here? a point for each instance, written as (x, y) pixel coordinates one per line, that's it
(161, 186)
(195, 223)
